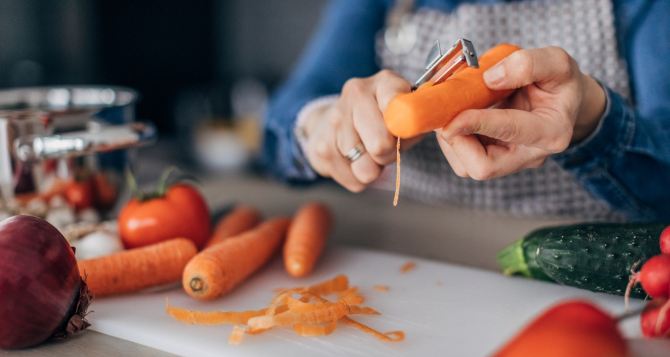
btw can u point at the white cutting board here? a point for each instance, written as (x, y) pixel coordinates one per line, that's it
(444, 309)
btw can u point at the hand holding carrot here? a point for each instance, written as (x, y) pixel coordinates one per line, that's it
(554, 104)
(354, 123)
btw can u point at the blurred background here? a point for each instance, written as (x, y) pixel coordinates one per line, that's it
(203, 68)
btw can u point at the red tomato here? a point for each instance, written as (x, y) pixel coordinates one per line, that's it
(570, 329)
(181, 212)
(104, 190)
(79, 194)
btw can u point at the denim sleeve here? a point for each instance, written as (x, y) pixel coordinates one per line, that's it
(343, 47)
(626, 161)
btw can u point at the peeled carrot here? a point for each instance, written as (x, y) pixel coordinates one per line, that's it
(433, 106)
(306, 239)
(219, 269)
(138, 268)
(241, 219)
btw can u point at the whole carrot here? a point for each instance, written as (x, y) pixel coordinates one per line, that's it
(433, 106)
(241, 219)
(306, 238)
(138, 268)
(220, 268)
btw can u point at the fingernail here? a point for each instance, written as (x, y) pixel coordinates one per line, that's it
(495, 74)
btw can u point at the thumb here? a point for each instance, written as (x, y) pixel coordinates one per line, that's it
(525, 67)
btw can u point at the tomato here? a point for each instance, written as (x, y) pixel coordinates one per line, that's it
(180, 212)
(572, 328)
(104, 190)
(79, 194)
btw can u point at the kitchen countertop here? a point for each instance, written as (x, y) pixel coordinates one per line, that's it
(368, 220)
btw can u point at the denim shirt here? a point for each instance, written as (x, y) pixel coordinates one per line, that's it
(625, 161)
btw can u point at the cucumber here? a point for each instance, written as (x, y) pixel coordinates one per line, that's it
(592, 256)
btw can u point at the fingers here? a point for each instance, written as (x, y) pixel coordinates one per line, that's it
(378, 142)
(540, 128)
(546, 65)
(393, 85)
(364, 168)
(356, 120)
(484, 163)
(450, 155)
(324, 155)
(369, 122)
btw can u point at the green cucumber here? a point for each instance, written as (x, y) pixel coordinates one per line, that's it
(592, 256)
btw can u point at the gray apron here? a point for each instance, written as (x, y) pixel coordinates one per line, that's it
(584, 28)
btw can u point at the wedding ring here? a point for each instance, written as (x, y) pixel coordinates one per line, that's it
(354, 153)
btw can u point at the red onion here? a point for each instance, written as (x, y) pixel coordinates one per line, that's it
(42, 295)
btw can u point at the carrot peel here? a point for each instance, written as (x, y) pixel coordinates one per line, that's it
(303, 309)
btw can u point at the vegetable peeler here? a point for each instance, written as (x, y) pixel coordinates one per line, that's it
(452, 82)
(440, 66)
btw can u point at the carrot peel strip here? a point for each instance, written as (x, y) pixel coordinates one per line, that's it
(407, 267)
(315, 330)
(396, 194)
(381, 288)
(236, 336)
(303, 309)
(393, 336)
(212, 317)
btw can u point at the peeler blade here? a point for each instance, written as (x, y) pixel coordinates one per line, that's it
(440, 66)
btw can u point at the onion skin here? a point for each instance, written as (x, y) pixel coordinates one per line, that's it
(41, 292)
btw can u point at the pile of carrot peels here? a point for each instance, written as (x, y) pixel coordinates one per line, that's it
(304, 309)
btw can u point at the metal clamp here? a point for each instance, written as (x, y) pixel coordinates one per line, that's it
(440, 66)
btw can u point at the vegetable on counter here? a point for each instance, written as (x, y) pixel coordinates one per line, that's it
(304, 309)
(220, 268)
(651, 323)
(42, 293)
(240, 220)
(664, 240)
(79, 194)
(306, 238)
(569, 329)
(654, 277)
(139, 268)
(598, 256)
(177, 211)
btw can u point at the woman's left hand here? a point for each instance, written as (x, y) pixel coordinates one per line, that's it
(554, 104)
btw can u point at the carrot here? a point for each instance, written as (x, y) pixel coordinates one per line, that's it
(433, 106)
(240, 220)
(570, 329)
(138, 268)
(306, 239)
(217, 270)
(407, 267)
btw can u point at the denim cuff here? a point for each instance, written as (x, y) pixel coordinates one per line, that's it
(608, 141)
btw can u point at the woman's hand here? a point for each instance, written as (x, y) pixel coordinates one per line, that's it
(555, 104)
(354, 121)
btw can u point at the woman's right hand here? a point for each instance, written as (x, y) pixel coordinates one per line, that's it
(353, 122)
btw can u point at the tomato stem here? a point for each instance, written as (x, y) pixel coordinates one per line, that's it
(132, 185)
(163, 181)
